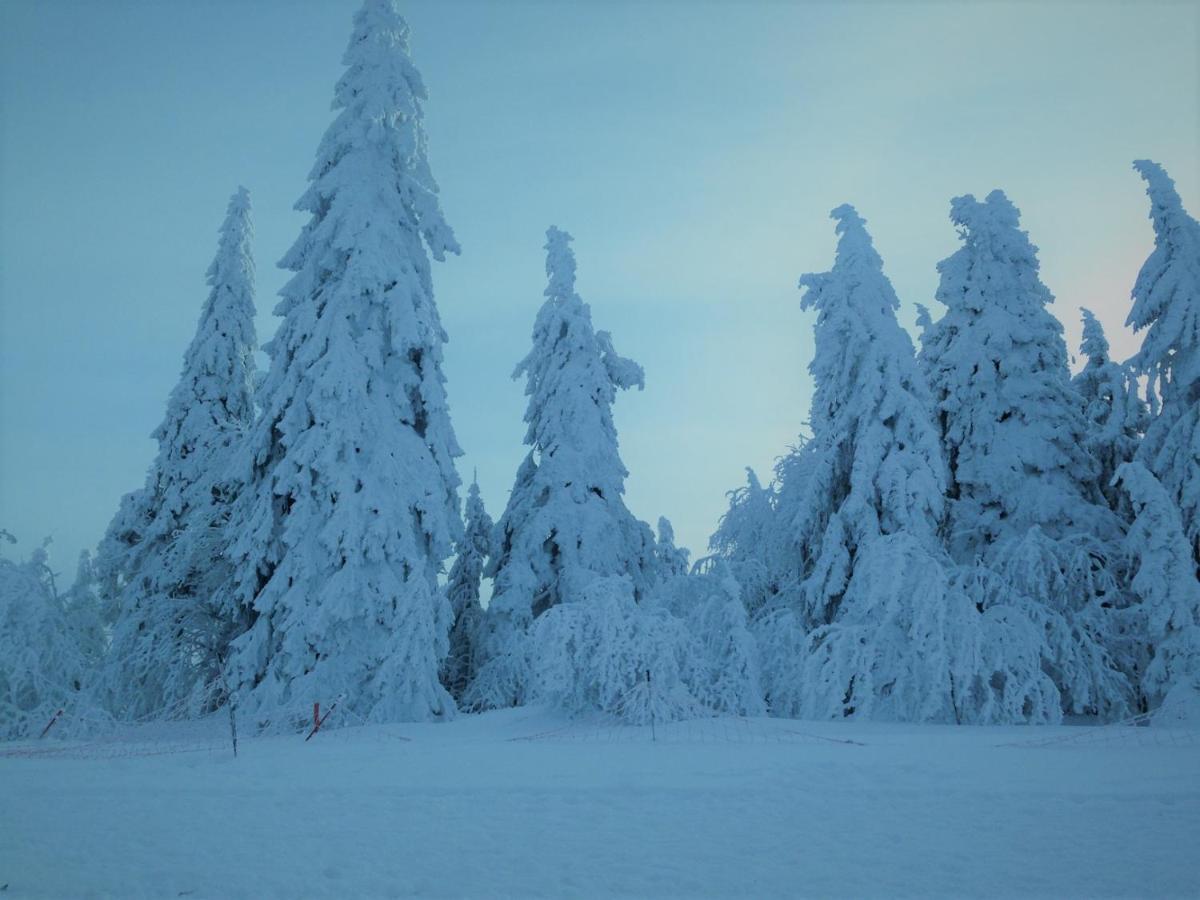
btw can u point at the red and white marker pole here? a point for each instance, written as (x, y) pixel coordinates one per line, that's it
(318, 719)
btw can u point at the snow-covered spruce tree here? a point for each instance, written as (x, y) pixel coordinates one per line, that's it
(462, 590)
(1166, 305)
(352, 503)
(878, 628)
(1011, 422)
(671, 560)
(1115, 414)
(82, 608)
(42, 668)
(566, 523)
(747, 537)
(876, 465)
(161, 559)
(1024, 495)
(1164, 583)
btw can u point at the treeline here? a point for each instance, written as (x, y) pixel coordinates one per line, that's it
(965, 534)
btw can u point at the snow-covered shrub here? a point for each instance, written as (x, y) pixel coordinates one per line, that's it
(782, 643)
(998, 655)
(502, 678)
(722, 672)
(1163, 582)
(42, 666)
(913, 644)
(1067, 587)
(600, 652)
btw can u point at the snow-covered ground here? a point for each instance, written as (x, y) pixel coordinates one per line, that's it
(755, 808)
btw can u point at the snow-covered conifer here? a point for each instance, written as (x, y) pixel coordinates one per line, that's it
(462, 590)
(1166, 305)
(1011, 422)
(880, 627)
(161, 559)
(566, 523)
(748, 536)
(1023, 485)
(1115, 414)
(352, 503)
(875, 466)
(672, 560)
(1164, 583)
(82, 608)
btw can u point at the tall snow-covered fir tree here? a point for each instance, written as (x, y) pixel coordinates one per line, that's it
(1023, 488)
(876, 467)
(161, 562)
(1116, 416)
(353, 499)
(566, 523)
(1166, 305)
(462, 590)
(1011, 422)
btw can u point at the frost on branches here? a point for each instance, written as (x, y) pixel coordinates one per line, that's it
(462, 590)
(566, 523)
(161, 565)
(1164, 584)
(1116, 416)
(353, 505)
(1166, 305)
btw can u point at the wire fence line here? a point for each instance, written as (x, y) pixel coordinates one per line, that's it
(708, 730)
(87, 733)
(1148, 729)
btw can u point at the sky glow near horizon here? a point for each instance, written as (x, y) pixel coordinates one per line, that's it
(694, 150)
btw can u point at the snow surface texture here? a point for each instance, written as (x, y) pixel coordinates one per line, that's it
(747, 808)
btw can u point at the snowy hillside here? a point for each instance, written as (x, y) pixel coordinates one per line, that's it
(518, 803)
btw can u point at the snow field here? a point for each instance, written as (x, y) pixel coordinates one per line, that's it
(463, 810)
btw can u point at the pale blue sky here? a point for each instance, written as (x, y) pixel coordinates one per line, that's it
(693, 149)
